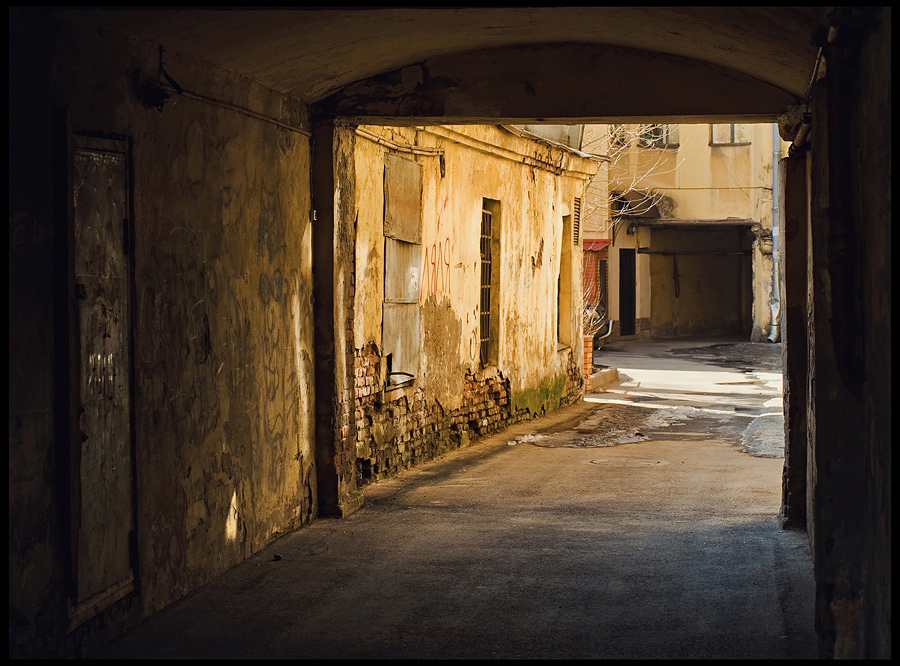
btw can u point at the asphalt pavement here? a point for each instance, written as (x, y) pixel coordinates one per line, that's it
(641, 522)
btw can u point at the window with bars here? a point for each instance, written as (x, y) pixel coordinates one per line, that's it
(484, 309)
(488, 296)
(565, 329)
(576, 221)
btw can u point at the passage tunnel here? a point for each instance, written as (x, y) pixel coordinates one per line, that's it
(230, 134)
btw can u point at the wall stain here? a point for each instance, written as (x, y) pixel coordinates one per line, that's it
(270, 232)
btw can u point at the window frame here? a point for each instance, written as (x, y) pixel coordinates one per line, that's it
(662, 136)
(489, 283)
(732, 134)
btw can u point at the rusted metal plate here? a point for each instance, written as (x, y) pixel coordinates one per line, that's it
(400, 339)
(101, 277)
(402, 266)
(402, 199)
(402, 271)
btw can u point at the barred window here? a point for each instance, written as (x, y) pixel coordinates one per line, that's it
(489, 286)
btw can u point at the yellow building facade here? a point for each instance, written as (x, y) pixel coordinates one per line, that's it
(679, 229)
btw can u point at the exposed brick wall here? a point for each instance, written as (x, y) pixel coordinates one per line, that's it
(575, 380)
(588, 357)
(394, 432)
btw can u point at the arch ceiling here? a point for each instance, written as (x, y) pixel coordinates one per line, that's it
(315, 54)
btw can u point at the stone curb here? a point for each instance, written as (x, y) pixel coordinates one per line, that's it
(603, 378)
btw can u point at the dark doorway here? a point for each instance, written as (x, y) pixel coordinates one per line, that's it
(627, 292)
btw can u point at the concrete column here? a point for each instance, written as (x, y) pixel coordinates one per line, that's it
(793, 249)
(836, 423)
(334, 241)
(864, 41)
(874, 151)
(850, 336)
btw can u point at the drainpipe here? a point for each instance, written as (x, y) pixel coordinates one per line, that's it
(775, 299)
(609, 329)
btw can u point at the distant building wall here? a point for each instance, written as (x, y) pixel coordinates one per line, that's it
(693, 173)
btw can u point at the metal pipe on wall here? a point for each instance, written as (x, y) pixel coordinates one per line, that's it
(775, 298)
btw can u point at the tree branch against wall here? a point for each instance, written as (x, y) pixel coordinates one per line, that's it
(635, 152)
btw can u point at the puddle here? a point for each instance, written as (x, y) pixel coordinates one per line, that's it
(628, 462)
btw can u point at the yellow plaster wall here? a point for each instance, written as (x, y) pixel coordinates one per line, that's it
(529, 179)
(222, 309)
(704, 182)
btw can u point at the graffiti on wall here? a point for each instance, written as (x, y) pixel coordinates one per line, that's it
(436, 269)
(436, 260)
(274, 340)
(474, 343)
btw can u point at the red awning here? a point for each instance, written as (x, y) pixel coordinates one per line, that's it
(594, 244)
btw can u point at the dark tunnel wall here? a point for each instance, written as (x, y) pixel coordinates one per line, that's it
(221, 315)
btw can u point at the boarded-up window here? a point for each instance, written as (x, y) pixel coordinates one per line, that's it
(402, 267)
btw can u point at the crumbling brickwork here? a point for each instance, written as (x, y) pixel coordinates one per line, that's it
(394, 432)
(575, 379)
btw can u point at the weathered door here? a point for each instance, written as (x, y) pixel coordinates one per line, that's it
(102, 483)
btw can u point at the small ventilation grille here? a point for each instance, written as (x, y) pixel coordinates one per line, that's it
(576, 222)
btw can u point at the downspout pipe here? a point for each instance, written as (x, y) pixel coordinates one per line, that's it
(609, 330)
(775, 298)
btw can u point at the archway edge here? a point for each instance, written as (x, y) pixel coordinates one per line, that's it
(566, 82)
(311, 53)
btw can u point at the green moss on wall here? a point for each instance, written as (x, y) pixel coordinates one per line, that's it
(543, 398)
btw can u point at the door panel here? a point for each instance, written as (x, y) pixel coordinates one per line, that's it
(103, 509)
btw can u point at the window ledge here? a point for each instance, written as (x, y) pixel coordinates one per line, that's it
(404, 380)
(405, 388)
(486, 371)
